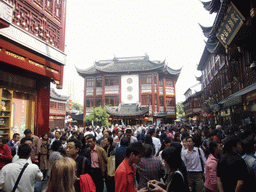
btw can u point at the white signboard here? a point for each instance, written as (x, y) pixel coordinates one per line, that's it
(130, 88)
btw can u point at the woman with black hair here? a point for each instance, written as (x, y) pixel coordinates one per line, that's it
(55, 154)
(176, 180)
(166, 143)
(148, 140)
(44, 153)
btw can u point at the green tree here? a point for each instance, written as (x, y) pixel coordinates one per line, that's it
(98, 116)
(179, 109)
(76, 106)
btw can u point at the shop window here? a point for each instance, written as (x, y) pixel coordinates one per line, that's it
(169, 83)
(98, 82)
(61, 106)
(89, 102)
(161, 82)
(146, 79)
(23, 112)
(146, 99)
(52, 105)
(112, 81)
(98, 102)
(161, 101)
(170, 101)
(112, 101)
(155, 79)
(89, 82)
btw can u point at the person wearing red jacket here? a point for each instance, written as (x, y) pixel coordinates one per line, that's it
(5, 153)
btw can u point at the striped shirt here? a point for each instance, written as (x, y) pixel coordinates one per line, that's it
(192, 160)
(149, 169)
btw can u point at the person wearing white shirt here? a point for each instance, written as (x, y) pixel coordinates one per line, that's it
(24, 140)
(195, 161)
(57, 137)
(128, 133)
(156, 141)
(11, 171)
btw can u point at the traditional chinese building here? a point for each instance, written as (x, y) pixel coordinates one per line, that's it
(134, 90)
(32, 42)
(58, 104)
(228, 62)
(192, 104)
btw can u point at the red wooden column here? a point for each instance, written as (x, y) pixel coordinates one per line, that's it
(94, 92)
(120, 92)
(164, 94)
(84, 124)
(103, 91)
(140, 98)
(157, 85)
(42, 107)
(153, 92)
(174, 86)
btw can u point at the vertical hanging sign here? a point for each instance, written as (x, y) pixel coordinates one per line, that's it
(231, 24)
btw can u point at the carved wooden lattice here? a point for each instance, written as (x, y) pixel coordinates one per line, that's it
(250, 78)
(235, 87)
(42, 18)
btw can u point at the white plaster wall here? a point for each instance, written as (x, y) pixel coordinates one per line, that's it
(130, 89)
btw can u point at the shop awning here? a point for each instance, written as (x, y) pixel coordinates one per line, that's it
(159, 114)
(237, 97)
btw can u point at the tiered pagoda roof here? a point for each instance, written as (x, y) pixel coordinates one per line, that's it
(127, 65)
(220, 9)
(127, 110)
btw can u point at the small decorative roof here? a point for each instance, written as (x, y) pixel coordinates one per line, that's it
(220, 8)
(199, 78)
(210, 48)
(212, 6)
(126, 65)
(195, 95)
(77, 116)
(127, 110)
(54, 95)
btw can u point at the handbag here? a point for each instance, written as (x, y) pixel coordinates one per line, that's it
(202, 164)
(19, 177)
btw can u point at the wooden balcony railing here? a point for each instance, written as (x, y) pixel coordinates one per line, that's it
(44, 19)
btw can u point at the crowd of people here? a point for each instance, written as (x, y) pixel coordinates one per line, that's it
(198, 158)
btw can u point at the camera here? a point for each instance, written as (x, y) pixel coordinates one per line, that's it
(151, 186)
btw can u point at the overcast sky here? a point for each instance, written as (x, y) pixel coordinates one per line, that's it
(164, 29)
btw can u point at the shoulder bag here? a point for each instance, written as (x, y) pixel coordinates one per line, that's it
(18, 180)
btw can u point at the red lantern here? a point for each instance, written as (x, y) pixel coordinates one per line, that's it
(70, 100)
(145, 118)
(209, 115)
(69, 126)
(70, 121)
(69, 117)
(70, 104)
(70, 108)
(110, 119)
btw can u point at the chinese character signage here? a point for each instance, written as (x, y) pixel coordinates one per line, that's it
(231, 24)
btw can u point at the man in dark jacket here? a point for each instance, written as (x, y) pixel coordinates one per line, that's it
(120, 151)
(231, 169)
(83, 165)
(13, 144)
